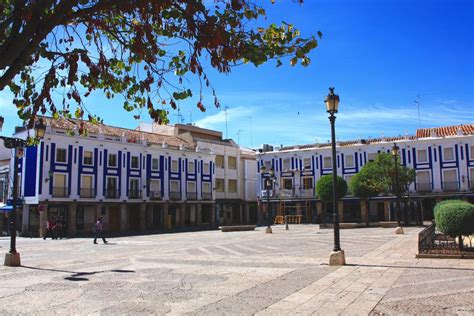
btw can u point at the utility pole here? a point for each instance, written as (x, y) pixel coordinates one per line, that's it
(418, 101)
(225, 113)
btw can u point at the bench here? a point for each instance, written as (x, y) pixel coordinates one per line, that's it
(237, 228)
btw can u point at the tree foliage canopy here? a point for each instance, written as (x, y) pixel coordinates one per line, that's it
(141, 50)
(378, 177)
(324, 187)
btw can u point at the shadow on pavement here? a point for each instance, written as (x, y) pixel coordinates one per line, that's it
(78, 276)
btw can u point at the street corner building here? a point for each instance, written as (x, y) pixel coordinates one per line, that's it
(442, 157)
(149, 179)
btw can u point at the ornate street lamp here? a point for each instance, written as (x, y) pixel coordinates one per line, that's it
(268, 185)
(12, 258)
(395, 154)
(332, 104)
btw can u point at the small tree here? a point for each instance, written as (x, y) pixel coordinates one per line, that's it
(455, 218)
(365, 184)
(324, 188)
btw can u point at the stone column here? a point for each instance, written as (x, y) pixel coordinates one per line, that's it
(364, 211)
(43, 217)
(340, 208)
(142, 217)
(213, 214)
(123, 218)
(71, 221)
(177, 215)
(193, 215)
(386, 209)
(199, 214)
(247, 213)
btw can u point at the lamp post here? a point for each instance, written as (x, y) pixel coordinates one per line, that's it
(12, 258)
(268, 184)
(395, 155)
(332, 104)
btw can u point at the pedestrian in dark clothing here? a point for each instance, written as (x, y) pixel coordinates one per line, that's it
(99, 230)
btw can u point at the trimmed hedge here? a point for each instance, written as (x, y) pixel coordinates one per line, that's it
(440, 204)
(455, 218)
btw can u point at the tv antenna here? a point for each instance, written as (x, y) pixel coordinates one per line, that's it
(225, 113)
(238, 136)
(418, 101)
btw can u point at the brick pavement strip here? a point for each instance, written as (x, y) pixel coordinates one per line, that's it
(285, 273)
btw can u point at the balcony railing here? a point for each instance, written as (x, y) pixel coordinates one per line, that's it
(175, 195)
(112, 193)
(306, 192)
(192, 196)
(423, 187)
(450, 186)
(287, 192)
(60, 192)
(135, 194)
(155, 195)
(206, 196)
(87, 193)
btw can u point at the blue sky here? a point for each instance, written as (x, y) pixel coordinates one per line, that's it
(380, 55)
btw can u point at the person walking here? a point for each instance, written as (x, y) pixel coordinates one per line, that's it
(50, 229)
(99, 230)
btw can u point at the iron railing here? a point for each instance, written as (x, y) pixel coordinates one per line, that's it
(431, 242)
(87, 193)
(155, 195)
(112, 193)
(175, 195)
(306, 192)
(60, 192)
(135, 194)
(450, 186)
(206, 196)
(423, 187)
(191, 196)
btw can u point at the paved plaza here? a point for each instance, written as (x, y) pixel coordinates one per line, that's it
(210, 272)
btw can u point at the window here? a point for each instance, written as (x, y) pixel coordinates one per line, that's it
(190, 166)
(232, 163)
(287, 184)
(205, 168)
(327, 162)
(134, 162)
(448, 154)
(219, 185)
(206, 187)
(155, 186)
(112, 188)
(87, 158)
(232, 185)
(307, 163)
(87, 189)
(371, 156)
(421, 155)
(268, 165)
(349, 160)
(191, 186)
(174, 165)
(286, 164)
(174, 186)
(307, 183)
(220, 161)
(112, 160)
(134, 191)
(59, 188)
(155, 164)
(61, 155)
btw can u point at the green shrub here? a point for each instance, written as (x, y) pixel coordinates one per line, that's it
(455, 218)
(324, 187)
(439, 204)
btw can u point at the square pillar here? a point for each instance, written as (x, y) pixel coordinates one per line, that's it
(71, 221)
(123, 218)
(198, 214)
(193, 215)
(386, 210)
(43, 217)
(142, 217)
(213, 214)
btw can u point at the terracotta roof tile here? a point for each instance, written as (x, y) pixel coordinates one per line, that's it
(466, 129)
(132, 136)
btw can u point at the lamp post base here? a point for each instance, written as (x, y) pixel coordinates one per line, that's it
(12, 259)
(337, 258)
(399, 230)
(268, 230)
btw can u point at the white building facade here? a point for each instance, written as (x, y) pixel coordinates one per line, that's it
(443, 159)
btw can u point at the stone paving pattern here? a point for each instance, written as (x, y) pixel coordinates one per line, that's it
(244, 273)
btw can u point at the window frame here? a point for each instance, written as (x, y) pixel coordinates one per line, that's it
(153, 160)
(132, 159)
(109, 155)
(229, 186)
(452, 151)
(57, 155)
(84, 158)
(234, 165)
(325, 159)
(418, 160)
